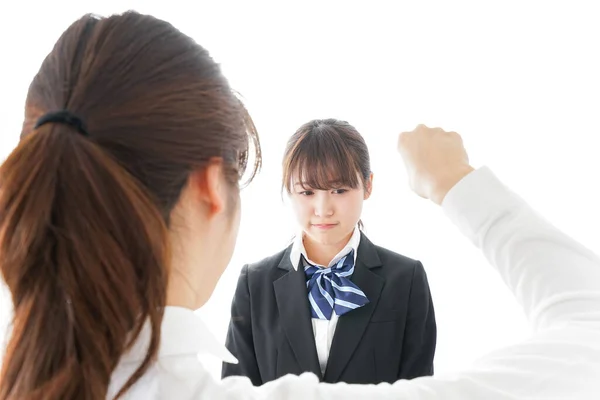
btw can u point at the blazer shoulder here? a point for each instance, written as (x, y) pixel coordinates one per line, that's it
(396, 266)
(391, 257)
(374, 254)
(267, 264)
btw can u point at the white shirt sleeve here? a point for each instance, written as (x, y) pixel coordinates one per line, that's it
(555, 279)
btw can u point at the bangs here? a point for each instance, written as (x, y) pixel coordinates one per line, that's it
(321, 162)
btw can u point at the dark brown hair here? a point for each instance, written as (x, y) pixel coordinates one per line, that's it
(326, 153)
(83, 219)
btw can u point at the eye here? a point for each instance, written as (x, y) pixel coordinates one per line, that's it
(306, 193)
(340, 191)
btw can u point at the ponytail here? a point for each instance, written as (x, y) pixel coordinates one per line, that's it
(84, 253)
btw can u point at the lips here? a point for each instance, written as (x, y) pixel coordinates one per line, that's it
(324, 226)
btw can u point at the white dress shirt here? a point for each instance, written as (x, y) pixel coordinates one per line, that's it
(323, 329)
(554, 278)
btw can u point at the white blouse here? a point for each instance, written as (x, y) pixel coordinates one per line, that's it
(323, 329)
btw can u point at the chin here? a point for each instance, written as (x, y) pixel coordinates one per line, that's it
(326, 238)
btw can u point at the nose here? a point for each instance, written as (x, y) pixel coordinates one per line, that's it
(323, 205)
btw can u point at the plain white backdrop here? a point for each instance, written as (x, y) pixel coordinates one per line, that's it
(518, 79)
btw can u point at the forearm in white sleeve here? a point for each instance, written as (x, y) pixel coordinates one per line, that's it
(553, 277)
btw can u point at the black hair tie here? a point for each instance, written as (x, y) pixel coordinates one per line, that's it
(63, 117)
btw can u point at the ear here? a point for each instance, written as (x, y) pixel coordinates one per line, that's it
(369, 186)
(210, 187)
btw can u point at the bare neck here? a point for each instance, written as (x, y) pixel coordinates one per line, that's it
(322, 254)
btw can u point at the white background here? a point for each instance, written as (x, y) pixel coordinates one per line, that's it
(518, 79)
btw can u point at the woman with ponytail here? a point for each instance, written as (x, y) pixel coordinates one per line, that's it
(125, 115)
(119, 211)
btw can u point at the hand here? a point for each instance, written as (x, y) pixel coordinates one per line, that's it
(435, 161)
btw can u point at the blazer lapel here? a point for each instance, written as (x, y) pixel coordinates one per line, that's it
(352, 325)
(294, 313)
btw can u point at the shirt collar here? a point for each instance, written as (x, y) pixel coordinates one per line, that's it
(298, 249)
(182, 333)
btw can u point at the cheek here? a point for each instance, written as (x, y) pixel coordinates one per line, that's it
(352, 207)
(235, 220)
(301, 209)
(238, 220)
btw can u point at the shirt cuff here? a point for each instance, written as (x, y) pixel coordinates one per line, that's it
(476, 198)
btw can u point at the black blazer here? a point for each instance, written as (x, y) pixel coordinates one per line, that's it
(392, 337)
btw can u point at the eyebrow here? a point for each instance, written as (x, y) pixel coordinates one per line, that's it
(335, 185)
(301, 186)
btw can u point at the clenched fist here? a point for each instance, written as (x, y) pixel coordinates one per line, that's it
(435, 161)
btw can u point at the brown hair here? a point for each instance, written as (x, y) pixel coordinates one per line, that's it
(326, 153)
(83, 220)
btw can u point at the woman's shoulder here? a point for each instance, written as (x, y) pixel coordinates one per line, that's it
(270, 263)
(397, 266)
(391, 262)
(386, 256)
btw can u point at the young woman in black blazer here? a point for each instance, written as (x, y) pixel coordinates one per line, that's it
(332, 303)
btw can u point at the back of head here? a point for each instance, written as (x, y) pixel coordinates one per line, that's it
(84, 207)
